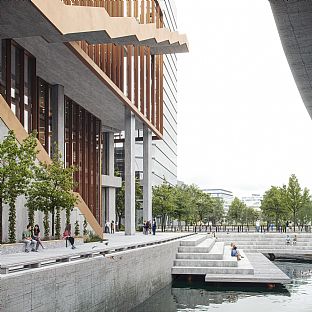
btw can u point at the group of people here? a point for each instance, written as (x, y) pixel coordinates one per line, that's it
(31, 237)
(110, 227)
(288, 240)
(149, 227)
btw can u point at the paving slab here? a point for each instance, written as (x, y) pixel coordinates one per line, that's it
(116, 242)
(264, 272)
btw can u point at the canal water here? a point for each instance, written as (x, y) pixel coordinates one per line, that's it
(197, 296)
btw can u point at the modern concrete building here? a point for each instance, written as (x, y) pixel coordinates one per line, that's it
(294, 23)
(164, 152)
(85, 71)
(253, 201)
(226, 196)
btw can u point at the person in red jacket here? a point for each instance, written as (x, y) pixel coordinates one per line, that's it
(68, 237)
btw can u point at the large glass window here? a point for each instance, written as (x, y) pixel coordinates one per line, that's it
(45, 115)
(3, 68)
(15, 80)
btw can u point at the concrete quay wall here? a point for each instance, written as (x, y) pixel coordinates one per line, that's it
(116, 282)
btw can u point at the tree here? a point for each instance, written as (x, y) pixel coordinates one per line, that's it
(217, 212)
(182, 203)
(163, 202)
(16, 163)
(294, 197)
(51, 191)
(235, 212)
(120, 198)
(272, 205)
(204, 205)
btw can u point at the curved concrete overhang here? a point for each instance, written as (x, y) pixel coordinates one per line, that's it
(294, 23)
(57, 22)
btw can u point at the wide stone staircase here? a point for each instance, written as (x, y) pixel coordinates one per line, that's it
(203, 255)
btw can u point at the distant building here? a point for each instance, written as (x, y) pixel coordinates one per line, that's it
(226, 196)
(253, 201)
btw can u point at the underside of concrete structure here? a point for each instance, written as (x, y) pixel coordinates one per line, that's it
(294, 23)
(57, 22)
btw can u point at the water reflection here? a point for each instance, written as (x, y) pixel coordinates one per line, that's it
(195, 295)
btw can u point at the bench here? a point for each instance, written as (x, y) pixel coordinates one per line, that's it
(6, 249)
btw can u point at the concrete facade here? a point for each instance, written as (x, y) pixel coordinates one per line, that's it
(164, 152)
(112, 283)
(129, 174)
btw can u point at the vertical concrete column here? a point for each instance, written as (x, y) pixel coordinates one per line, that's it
(129, 173)
(111, 172)
(58, 118)
(147, 174)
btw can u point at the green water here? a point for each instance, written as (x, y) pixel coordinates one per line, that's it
(198, 296)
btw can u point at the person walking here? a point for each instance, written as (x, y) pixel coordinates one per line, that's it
(112, 227)
(154, 227)
(36, 236)
(67, 236)
(28, 240)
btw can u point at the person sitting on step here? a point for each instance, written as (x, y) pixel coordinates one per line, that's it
(287, 240)
(235, 252)
(68, 237)
(294, 241)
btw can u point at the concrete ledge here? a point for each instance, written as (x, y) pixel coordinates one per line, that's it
(6, 249)
(110, 181)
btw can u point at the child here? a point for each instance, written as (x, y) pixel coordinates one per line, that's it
(287, 240)
(294, 242)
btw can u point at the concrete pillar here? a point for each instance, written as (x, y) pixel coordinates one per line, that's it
(129, 173)
(147, 174)
(111, 172)
(58, 118)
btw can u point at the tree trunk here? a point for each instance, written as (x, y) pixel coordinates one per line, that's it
(294, 221)
(1, 209)
(53, 213)
(12, 222)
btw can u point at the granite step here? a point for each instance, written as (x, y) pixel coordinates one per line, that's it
(216, 253)
(204, 247)
(193, 240)
(205, 263)
(179, 270)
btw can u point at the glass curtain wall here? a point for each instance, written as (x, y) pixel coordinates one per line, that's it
(18, 81)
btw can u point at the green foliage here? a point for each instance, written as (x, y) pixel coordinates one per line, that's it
(273, 206)
(217, 213)
(120, 198)
(85, 224)
(92, 237)
(58, 223)
(163, 202)
(46, 224)
(77, 230)
(68, 210)
(294, 198)
(51, 189)
(16, 171)
(235, 212)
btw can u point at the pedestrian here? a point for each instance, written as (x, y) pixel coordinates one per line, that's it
(106, 229)
(36, 236)
(154, 227)
(68, 237)
(145, 228)
(28, 240)
(258, 225)
(149, 227)
(112, 227)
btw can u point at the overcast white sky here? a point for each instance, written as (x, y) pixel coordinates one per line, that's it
(242, 124)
